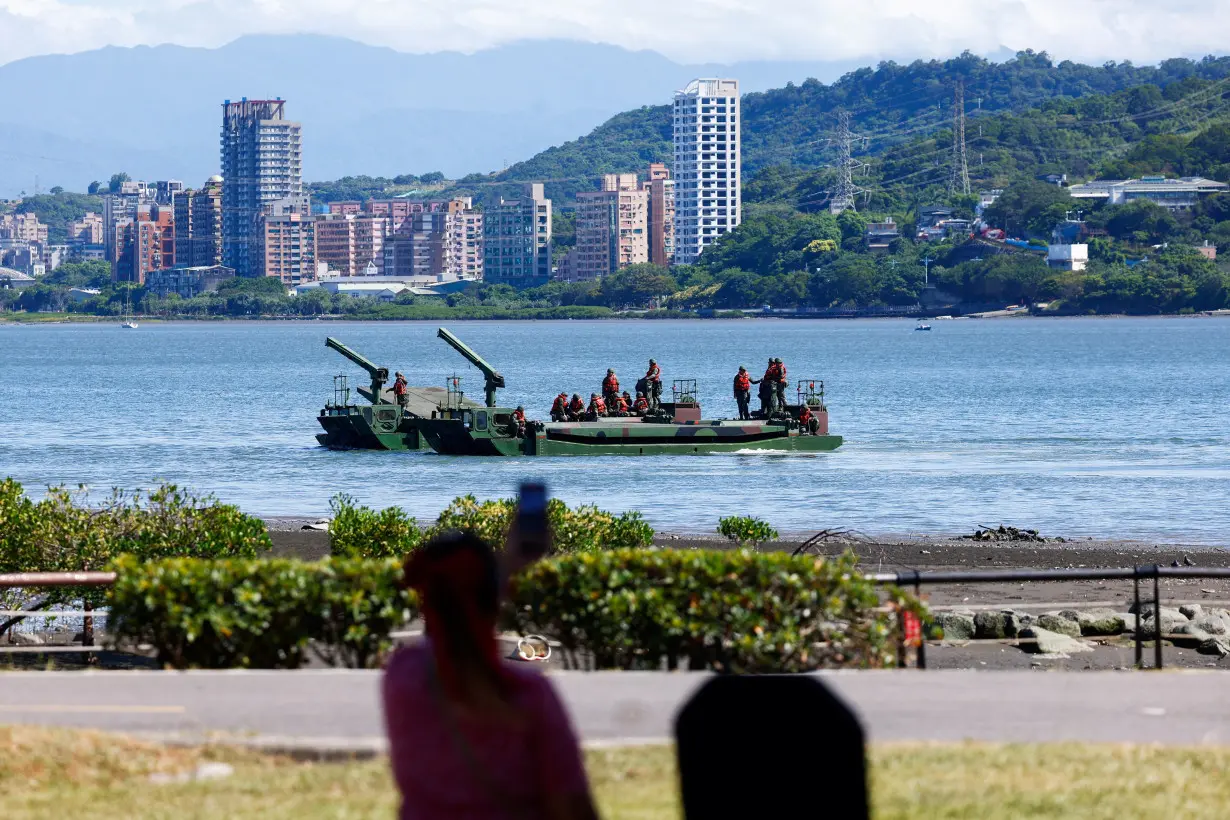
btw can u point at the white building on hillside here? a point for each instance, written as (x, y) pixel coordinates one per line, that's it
(707, 170)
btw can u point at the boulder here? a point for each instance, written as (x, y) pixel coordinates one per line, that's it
(957, 626)
(26, 639)
(1103, 622)
(1189, 634)
(1057, 623)
(1002, 624)
(1070, 614)
(1039, 641)
(1192, 611)
(1214, 622)
(1214, 646)
(1172, 619)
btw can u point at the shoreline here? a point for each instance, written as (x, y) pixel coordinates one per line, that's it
(13, 319)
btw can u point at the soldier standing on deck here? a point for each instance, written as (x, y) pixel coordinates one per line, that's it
(653, 385)
(768, 389)
(781, 385)
(610, 388)
(743, 393)
(399, 390)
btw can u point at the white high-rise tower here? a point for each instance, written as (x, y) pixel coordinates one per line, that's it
(707, 172)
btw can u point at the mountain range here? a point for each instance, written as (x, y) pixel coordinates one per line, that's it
(154, 111)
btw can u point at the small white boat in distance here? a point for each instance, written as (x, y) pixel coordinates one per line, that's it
(128, 323)
(922, 326)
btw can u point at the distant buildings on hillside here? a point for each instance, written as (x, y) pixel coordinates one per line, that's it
(1173, 194)
(706, 125)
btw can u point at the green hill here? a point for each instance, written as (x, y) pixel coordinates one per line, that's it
(891, 105)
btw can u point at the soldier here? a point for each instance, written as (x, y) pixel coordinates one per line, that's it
(807, 422)
(576, 407)
(625, 404)
(518, 422)
(399, 390)
(768, 389)
(597, 407)
(781, 385)
(559, 408)
(743, 393)
(640, 407)
(653, 385)
(610, 388)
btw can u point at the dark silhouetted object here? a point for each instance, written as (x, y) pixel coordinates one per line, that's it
(770, 746)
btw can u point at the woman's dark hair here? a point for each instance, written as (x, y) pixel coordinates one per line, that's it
(485, 588)
(449, 590)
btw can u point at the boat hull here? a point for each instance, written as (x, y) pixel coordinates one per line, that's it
(350, 428)
(619, 437)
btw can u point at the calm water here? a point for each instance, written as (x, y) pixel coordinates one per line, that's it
(1107, 427)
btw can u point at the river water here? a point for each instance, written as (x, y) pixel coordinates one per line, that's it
(1101, 427)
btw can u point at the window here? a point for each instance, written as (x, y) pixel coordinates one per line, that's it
(480, 420)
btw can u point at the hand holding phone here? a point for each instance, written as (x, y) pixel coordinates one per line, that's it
(532, 530)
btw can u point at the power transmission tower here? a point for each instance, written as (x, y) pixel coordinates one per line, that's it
(843, 198)
(958, 181)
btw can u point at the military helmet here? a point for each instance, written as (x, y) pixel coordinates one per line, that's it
(610, 372)
(593, 395)
(576, 395)
(653, 361)
(742, 369)
(398, 374)
(778, 360)
(521, 408)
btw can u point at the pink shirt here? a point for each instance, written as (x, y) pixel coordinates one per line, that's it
(523, 763)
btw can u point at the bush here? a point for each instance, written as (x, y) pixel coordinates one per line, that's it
(746, 531)
(61, 533)
(727, 611)
(258, 613)
(360, 532)
(583, 529)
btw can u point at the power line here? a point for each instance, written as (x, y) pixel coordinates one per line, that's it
(844, 196)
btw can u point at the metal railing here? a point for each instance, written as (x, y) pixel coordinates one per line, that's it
(917, 578)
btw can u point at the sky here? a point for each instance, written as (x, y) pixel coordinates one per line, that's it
(718, 31)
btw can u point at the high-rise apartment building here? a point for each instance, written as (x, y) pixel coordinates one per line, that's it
(706, 123)
(517, 240)
(144, 243)
(198, 225)
(661, 216)
(612, 228)
(442, 243)
(348, 243)
(261, 163)
(22, 228)
(88, 230)
(120, 209)
(288, 241)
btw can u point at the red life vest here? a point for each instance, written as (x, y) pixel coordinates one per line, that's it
(743, 382)
(399, 387)
(610, 385)
(654, 374)
(576, 406)
(518, 416)
(805, 415)
(623, 405)
(781, 372)
(597, 405)
(561, 404)
(641, 405)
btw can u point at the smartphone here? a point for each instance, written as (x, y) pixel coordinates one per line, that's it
(532, 520)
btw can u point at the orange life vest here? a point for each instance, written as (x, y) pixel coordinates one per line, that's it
(561, 404)
(654, 373)
(576, 405)
(641, 405)
(610, 385)
(743, 382)
(597, 406)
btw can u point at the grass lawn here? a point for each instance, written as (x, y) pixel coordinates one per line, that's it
(61, 773)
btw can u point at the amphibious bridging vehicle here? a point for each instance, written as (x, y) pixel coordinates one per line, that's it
(458, 427)
(383, 423)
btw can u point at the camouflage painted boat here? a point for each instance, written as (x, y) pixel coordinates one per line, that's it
(458, 428)
(383, 423)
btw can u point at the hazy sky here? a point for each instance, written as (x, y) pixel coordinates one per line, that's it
(686, 30)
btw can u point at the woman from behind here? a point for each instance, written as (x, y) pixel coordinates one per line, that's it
(471, 736)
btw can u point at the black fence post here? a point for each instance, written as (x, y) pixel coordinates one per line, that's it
(1157, 617)
(1140, 649)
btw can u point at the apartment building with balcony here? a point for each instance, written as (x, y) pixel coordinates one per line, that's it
(706, 123)
(517, 239)
(262, 162)
(444, 243)
(612, 228)
(198, 225)
(288, 241)
(350, 242)
(145, 243)
(88, 230)
(661, 214)
(22, 228)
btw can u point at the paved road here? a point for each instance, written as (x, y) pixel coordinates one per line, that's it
(340, 709)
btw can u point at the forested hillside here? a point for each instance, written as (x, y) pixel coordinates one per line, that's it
(890, 106)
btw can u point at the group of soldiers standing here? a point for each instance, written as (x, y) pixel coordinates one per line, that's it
(772, 392)
(612, 402)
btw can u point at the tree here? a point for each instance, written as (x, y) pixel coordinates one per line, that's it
(432, 178)
(93, 187)
(57, 190)
(635, 285)
(1140, 221)
(1029, 208)
(117, 180)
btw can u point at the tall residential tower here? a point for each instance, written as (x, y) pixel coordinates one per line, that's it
(261, 163)
(707, 173)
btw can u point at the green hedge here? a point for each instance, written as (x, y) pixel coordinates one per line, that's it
(731, 611)
(621, 609)
(258, 613)
(361, 532)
